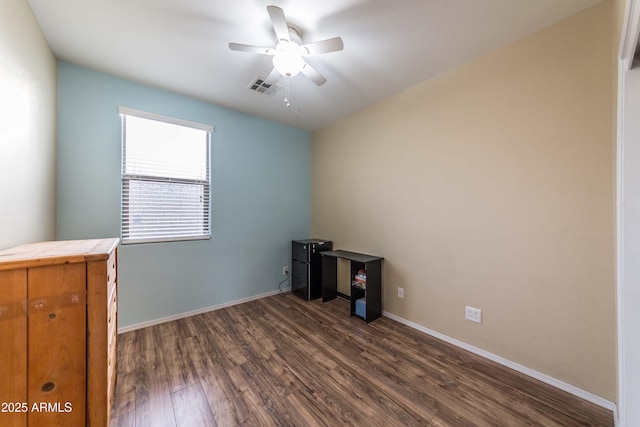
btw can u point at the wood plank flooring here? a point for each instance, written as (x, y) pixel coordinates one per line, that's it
(282, 361)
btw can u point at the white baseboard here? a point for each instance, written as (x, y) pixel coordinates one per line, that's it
(583, 394)
(198, 311)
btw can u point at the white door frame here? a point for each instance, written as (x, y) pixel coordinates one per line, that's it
(628, 42)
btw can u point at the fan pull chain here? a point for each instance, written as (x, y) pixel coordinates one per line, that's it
(286, 93)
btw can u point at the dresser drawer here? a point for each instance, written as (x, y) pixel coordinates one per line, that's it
(112, 318)
(112, 269)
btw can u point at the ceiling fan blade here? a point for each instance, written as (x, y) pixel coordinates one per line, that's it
(279, 23)
(325, 46)
(315, 76)
(273, 76)
(252, 49)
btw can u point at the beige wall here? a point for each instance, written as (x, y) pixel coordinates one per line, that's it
(619, 9)
(492, 186)
(27, 128)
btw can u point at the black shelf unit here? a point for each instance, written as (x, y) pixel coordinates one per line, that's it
(373, 292)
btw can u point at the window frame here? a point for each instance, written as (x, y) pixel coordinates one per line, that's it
(125, 178)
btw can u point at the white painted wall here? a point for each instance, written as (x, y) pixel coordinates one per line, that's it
(27, 128)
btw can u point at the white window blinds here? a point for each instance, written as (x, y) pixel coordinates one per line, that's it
(165, 178)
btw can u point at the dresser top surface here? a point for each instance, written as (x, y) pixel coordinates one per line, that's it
(57, 252)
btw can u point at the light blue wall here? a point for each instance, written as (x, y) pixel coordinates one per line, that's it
(261, 197)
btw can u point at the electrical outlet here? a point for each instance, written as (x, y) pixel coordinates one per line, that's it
(473, 314)
(285, 270)
(400, 292)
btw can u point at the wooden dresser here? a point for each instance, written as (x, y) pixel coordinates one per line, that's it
(58, 326)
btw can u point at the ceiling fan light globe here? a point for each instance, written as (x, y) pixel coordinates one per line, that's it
(288, 63)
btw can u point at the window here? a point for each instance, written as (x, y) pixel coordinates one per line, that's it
(165, 178)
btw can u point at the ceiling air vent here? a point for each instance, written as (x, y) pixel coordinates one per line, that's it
(258, 85)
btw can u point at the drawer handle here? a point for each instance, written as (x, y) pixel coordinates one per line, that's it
(48, 386)
(52, 316)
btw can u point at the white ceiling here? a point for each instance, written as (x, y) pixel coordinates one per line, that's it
(389, 45)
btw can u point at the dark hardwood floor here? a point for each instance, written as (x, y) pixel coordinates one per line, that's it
(281, 361)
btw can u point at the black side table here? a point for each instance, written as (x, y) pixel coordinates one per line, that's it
(373, 292)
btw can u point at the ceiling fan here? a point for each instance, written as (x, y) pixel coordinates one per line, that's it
(289, 52)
